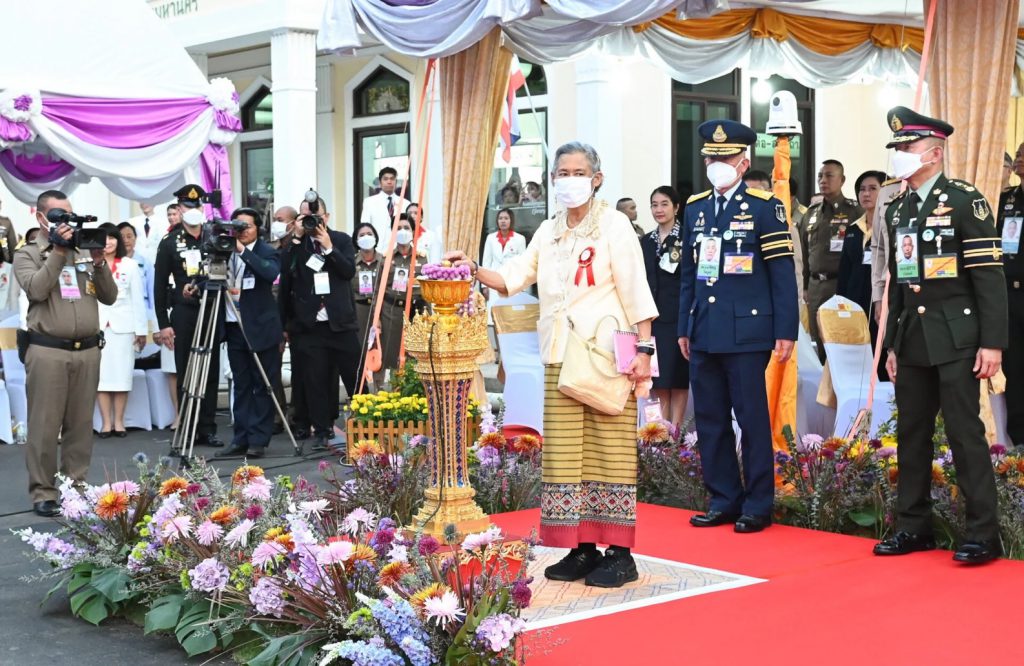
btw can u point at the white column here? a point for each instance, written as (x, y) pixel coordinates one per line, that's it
(326, 184)
(599, 119)
(293, 71)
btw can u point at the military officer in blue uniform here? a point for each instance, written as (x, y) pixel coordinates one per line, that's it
(737, 304)
(946, 331)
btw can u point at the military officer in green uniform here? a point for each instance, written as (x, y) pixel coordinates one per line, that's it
(1011, 220)
(946, 330)
(821, 232)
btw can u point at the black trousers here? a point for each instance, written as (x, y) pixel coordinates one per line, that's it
(1013, 368)
(253, 407)
(183, 321)
(921, 391)
(323, 355)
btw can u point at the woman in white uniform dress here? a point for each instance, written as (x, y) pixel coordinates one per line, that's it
(124, 325)
(500, 246)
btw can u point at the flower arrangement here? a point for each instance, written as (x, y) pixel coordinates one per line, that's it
(405, 403)
(506, 473)
(275, 572)
(668, 468)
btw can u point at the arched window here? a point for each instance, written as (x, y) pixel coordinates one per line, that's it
(258, 112)
(382, 92)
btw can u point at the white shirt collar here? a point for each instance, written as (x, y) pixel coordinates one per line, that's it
(728, 193)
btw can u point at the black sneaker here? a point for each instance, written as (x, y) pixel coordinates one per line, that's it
(577, 564)
(615, 570)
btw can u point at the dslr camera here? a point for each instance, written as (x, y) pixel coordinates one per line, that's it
(82, 239)
(314, 219)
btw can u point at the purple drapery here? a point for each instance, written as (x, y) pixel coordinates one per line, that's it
(12, 131)
(35, 169)
(215, 172)
(124, 123)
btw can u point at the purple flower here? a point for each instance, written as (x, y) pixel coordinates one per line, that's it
(235, 97)
(875, 443)
(323, 466)
(23, 102)
(209, 532)
(885, 453)
(254, 512)
(497, 631)
(428, 545)
(488, 456)
(209, 575)
(202, 503)
(265, 597)
(997, 450)
(828, 453)
(809, 443)
(690, 439)
(193, 489)
(781, 457)
(521, 593)
(266, 552)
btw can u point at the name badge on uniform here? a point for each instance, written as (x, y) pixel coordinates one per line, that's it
(906, 255)
(940, 266)
(366, 282)
(401, 280)
(709, 257)
(1011, 235)
(68, 282)
(739, 263)
(248, 282)
(867, 257)
(321, 284)
(835, 243)
(315, 263)
(668, 263)
(192, 259)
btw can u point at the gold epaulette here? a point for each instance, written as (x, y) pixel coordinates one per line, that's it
(698, 197)
(891, 181)
(759, 193)
(962, 185)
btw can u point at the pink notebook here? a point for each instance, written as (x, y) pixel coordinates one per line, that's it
(625, 350)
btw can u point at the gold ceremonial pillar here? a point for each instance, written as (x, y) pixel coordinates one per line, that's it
(446, 346)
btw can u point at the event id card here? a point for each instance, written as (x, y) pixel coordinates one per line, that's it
(315, 263)
(838, 236)
(738, 263)
(192, 260)
(321, 284)
(709, 258)
(1010, 238)
(906, 255)
(365, 282)
(939, 266)
(68, 281)
(667, 264)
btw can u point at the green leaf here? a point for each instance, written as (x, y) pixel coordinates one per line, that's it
(113, 584)
(164, 614)
(862, 518)
(199, 641)
(95, 610)
(81, 598)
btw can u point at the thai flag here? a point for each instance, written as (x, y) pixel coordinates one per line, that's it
(510, 131)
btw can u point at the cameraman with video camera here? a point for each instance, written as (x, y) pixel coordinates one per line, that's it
(318, 313)
(61, 349)
(180, 256)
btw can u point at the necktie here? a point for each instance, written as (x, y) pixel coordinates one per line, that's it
(721, 208)
(391, 208)
(915, 202)
(145, 227)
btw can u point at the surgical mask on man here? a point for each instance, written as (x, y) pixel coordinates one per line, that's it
(722, 174)
(404, 236)
(278, 230)
(905, 164)
(193, 217)
(368, 242)
(573, 191)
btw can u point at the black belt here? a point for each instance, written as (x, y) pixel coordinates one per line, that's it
(68, 345)
(821, 277)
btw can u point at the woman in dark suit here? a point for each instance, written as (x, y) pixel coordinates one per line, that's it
(662, 252)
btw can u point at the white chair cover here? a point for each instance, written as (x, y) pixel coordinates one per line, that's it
(137, 410)
(6, 431)
(998, 403)
(14, 380)
(520, 357)
(161, 409)
(811, 416)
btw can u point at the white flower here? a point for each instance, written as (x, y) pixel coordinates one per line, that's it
(359, 517)
(481, 539)
(809, 444)
(336, 552)
(239, 536)
(398, 553)
(179, 526)
(443, 609)
(37, 540)
(73, 507)
(258, 489)
(315, 507)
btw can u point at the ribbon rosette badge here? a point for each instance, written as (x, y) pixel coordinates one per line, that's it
(586, 262)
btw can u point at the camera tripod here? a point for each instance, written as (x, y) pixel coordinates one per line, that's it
(204, 344)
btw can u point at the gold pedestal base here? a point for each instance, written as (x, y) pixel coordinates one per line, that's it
(458, 508)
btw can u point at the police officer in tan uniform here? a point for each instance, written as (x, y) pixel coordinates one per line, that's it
(822, 231)
(8, 239)
(62, 361)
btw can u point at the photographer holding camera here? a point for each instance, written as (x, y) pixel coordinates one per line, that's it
(252, 269)
(62, 358)
(319, 316)
(180, 256)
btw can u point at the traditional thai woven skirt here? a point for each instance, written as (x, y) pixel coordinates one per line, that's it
(588, 490)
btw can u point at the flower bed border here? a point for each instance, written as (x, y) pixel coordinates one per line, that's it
(389, 433)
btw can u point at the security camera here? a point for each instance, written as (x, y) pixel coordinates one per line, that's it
(782, 115)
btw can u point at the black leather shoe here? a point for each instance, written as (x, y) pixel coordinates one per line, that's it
(120, 433)
(713, 519)
(46, 508)
(210, 440)
(104, 434)
(748, 524)
(904, 543)
(321, 442)
(254, 452)
(299, 433)
(233, 451)
(978, 552)
(577, 564)
(615, 570)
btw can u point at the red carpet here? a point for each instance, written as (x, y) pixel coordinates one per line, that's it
(828, 601)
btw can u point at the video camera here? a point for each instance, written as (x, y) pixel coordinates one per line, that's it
(84, 239)
(314, 219)
(219, 235)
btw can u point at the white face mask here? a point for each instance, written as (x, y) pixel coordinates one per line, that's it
(404, 236)
(368, 242)
(573, 191)
(906, 164)
(721, 174)
(278, 230)
(193, 217)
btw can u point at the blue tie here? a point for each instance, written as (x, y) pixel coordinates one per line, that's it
(721, 208)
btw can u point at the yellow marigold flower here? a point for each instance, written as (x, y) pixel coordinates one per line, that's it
(889, 440)
(652, 432)
(425, 410)
(173, 485)
(287, 541)
(391, 574)
(364, 410)
(361, 552)
(273, 533)
(432, 591)
(111, 504)
(244, 473)
(366, 447)
(377, 414)
(938, 475)
(224, 515)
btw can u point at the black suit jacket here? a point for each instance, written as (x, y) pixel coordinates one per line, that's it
(296, 298)
(260, 319)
